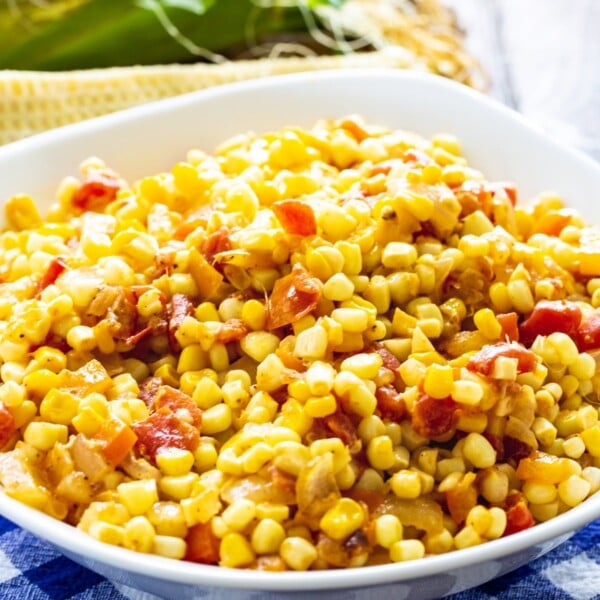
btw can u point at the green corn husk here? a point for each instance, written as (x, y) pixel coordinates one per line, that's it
(82, 34)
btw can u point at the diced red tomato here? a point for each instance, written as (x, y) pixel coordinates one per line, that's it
(389, 403)
(483, 361)
(461, 499)
(550, 223)
(372, 499)
(418, 157)
(341, 426)
(180, 307)
(549, 316)
(509, 324)
(179, 403)
(433, 417)
(117, 440)
(384, 167)
(518, 518)
(506, 186)
(389, 360)
(293, 297)
(7, 425)
(55, 268)
(282, 480)
(216, 242)
(354, 127)
(162, 429)
(148, 390)
(515, 449)
(96, 192)
(296, 217)
(232, 331)
(202, 545)
(588, 336)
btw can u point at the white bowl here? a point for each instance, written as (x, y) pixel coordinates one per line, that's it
(153, 137)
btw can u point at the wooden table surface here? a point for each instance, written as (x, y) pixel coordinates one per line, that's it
(543, 59)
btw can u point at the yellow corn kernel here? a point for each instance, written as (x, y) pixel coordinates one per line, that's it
(363, 365)
(138, 496)
(256, 457)
(343, 519)
(497, 524)
(573, 490)
(467, 537)
(235, 551)
(207, 393)
(169, 546)
(478, 451)
(107, 533)
(439, 381)
(59, 407)
(485, 320)
(544, 431)
(312, 343)
(319, 378)
(174, 461)
(138, 534)
(352, 320)
(338, 288)
(479, 519)
(254, 314)
(192, 358)
(216, 419)
(291, 457)
(259, 344)
(87, 421)
(406, 484)
(200, 508)
(167, 519)
(322, 406)
(44, 436)
(398, 255)
(574, 447)
(404, 550)
(519, 293)
(298, 553)
(50, 358)
(168, 374)
(583, 367)
(380, 453)
(388, 530)
(267, 537)
(239, 514)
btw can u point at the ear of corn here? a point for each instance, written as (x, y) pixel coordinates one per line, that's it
(31, 102)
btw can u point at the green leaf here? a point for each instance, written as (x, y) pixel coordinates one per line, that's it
(198, 7)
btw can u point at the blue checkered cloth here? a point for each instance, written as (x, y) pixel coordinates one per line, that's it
(31, 569)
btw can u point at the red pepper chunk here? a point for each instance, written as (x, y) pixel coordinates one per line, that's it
(117, 440)
(549, 316)
(215, 243)
(341, 426)
(181, 306)
(506, 186)
(390, 403)
(509, 324)
(433, 417)
(55, 268)
(179, 403)
(551, 223)
(296, 217)
(96, 192)
(232, 331)
(7, 425)
(163, 429)
(202, 545)
(483, 361)
(588, 337)
(518, 518)
(293, 297)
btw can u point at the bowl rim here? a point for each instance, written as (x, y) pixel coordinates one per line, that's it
(74, 541)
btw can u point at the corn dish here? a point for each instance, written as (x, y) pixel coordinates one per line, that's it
(315, 349)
